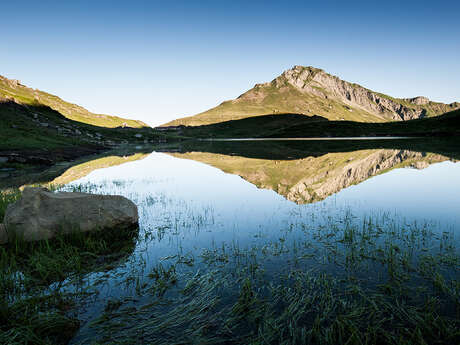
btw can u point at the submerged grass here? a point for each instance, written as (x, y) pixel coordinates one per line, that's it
(381, 281)
(319, 279)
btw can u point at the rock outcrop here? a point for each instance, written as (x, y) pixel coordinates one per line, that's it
(41, 214)
(316, 81)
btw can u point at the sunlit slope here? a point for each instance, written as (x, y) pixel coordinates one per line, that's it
(314, 178)
(13, 90)
(81, 170)
(312, 91)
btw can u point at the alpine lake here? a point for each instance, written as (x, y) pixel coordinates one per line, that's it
(249, 242)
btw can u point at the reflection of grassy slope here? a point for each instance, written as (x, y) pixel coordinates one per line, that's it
(24, 95)
(65, 172)
(314, 178)
(81, 170)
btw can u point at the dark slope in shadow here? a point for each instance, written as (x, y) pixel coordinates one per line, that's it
(302, 126)
(41, 131)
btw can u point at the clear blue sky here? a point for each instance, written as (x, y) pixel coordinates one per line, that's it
(159, 60)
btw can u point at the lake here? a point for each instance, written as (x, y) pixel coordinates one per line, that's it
(278, 240)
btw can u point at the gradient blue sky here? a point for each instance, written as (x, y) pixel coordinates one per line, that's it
(159, 60)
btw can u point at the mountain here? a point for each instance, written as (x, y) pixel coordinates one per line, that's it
(314, 178)
(13, 90)
(311, 91)
(37, 128)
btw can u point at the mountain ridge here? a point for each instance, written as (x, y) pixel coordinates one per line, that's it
(311, 91)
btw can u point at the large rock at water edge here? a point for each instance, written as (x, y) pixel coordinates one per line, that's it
(41, 214)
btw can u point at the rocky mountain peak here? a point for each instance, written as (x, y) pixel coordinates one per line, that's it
(314, 81)
(419, 100)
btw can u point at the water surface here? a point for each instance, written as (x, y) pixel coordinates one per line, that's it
(333, 213)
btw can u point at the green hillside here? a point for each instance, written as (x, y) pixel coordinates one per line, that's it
(13, 90)
(311, 91)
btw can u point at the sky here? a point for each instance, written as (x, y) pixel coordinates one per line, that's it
(159, 60)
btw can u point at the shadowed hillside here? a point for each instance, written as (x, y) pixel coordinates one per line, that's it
(300, 126)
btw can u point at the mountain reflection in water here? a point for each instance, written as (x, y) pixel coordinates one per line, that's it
(302, 172)
(314, 178)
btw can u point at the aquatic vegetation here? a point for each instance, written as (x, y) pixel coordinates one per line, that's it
(346, 279)
(7, 197)
(323, 273)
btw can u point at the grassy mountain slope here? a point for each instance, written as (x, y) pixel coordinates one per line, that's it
(311, 91)
(36, 127)
(13, 90)
(299, 126)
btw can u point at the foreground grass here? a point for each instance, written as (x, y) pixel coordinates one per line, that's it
(341, 280)
(34, 309)
(253, 296)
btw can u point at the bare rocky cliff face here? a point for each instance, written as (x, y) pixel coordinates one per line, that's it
(316, 81)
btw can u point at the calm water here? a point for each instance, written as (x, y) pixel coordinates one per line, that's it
(231, 216)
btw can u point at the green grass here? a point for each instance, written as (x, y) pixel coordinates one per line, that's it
(61, 138)
(33, 307)
(289, 100)
(6, 198)
(31, 97)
